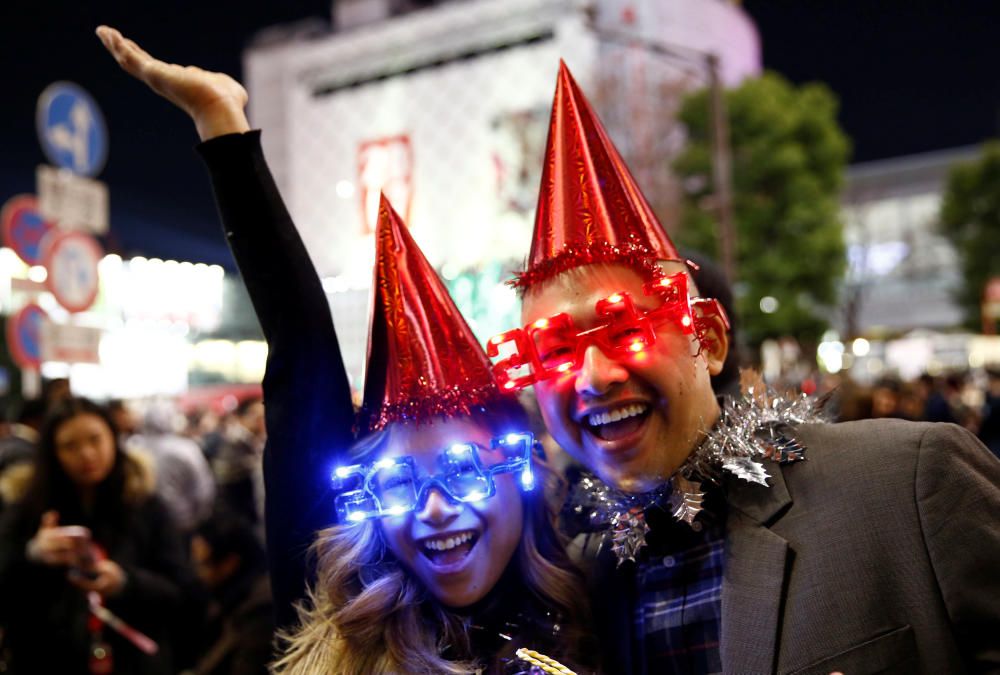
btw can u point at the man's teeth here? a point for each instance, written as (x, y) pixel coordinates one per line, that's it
(447, 543)
(616, 415)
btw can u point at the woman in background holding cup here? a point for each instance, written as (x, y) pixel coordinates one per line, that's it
(87, 531)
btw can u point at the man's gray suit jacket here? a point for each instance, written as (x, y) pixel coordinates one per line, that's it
(878, 554)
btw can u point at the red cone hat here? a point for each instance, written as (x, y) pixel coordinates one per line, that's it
(423, 359)
(590, 209)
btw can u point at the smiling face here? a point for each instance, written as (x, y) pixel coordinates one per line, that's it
(458, 551)
(631, 418)
(85, 447)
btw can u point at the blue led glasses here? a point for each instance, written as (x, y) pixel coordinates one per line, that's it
(394, 486)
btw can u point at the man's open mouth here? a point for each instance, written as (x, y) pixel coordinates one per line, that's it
(618, 422)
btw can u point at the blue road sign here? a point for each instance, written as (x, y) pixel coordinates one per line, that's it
(24, 336)
(71, 129)
(24, 228)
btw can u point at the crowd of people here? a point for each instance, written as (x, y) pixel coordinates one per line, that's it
(968, 399)
(707, 523)
(143, 515)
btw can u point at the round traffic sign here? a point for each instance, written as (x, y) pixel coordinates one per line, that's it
(71, 128)
(24, 336)
(71, 259)
(24, 227)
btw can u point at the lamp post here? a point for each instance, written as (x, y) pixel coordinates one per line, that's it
(722, 171)
(705, 64)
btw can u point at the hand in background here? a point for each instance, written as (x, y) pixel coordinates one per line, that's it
(108, 579)
(57, 546)
(214, 101)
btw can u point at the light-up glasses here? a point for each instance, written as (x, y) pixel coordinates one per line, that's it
(394, 486)
(552, 346)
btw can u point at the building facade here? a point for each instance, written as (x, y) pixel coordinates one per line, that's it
(444, 107)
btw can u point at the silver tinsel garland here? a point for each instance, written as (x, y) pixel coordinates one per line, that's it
(755, 427)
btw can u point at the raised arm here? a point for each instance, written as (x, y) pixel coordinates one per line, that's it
(306, 389)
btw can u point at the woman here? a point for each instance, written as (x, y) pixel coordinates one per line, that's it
(88, 529)
(438, 565)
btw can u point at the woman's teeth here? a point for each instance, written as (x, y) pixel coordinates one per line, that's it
(448, 543)
(616, 415)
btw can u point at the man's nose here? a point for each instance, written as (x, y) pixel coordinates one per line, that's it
(598, 373)
(437, 509)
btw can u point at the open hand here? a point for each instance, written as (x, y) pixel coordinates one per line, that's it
(215, 101)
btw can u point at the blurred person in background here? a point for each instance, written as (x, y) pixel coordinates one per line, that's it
(87, 528)
(989, 429)
(200, 423)
(237, 460)
(125, 419)
(184, 480)
(854, 402)
(55, 391)
(936, 407)
(17, 444)
(910, 402)
(232, 566)
(964, 400)
(886, 398)
(211, 432)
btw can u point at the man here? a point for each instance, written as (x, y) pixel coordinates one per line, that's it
(796, 546)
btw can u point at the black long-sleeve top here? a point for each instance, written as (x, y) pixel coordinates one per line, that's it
(306, 390)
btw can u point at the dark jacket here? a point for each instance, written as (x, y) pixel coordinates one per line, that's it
(242, 630)
(45, 617)
(878, 553)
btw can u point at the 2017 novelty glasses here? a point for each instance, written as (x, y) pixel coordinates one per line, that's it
(552, 346)
(394, 486)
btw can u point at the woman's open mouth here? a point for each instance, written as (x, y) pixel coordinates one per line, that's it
(448, 550)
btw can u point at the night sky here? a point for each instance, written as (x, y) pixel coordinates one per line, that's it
(911, 76)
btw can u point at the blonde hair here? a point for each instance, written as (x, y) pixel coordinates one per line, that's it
(366, 614)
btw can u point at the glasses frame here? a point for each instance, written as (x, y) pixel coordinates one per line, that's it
(366, 501)
(693, 315)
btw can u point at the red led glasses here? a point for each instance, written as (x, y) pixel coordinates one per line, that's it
(552, 346)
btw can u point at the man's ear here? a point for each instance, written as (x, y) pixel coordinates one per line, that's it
(713, 333)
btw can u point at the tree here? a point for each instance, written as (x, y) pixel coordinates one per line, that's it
(788, 159)
(970, 219)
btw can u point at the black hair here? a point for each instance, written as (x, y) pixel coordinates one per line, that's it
(31, 412)
(244, 406)
(52, 489)
(228, 533)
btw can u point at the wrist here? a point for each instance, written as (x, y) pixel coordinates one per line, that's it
(221, 121)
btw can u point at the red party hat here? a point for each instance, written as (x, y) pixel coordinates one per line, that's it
(423, 359)
(590, 209)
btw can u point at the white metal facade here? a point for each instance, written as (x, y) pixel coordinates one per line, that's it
(468, 84)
